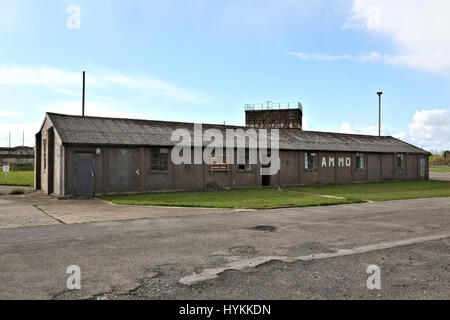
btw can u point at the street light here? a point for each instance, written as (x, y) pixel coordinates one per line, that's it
(379, 112)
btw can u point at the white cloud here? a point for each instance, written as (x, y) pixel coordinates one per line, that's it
(419, 30)
(371, 130)
(431, 129)
(69, 82)
(400, 135)
(346, 128)
(371, 57)
(305, 124)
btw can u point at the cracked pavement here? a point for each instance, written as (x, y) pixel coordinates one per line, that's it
(146, 258)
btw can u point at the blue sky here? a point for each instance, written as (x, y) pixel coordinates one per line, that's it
(201, 61)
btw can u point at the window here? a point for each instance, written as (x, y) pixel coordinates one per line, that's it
(400, 161)
(44, 148)
(247, 166)
(269, 162)
(360, 161)
(160, 159)
(310, 161)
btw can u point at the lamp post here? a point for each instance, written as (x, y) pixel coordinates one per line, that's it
(84, 89)
(379, 112)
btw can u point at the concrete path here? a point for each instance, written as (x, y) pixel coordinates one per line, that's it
(442, 176)
(16, 212)
(151, 256)
(4, 190)
(37, 209)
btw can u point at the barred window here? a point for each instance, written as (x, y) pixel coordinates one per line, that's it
(159, 159)
(247, 166)
(400, 161)
(269, 163)
(44, 148)
(360, 161)
(310, 161)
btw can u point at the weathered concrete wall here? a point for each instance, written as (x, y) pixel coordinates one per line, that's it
(128, 170)
(190, 176)
(45, 148)
(289, 168)
(17, 156)
(411, 167)
(340, 168)
(373, 167)
(387, 167)
(52, 165)
(343, 168)
(326, 173)
(123, 166)
(37, 161)
(274, 118)
(58, 171)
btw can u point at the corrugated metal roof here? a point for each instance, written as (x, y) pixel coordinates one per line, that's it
(131, 132)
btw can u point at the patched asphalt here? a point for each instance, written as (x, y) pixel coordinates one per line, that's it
(146, 258)
(419, 271)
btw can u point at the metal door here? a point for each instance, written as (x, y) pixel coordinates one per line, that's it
(84, 174)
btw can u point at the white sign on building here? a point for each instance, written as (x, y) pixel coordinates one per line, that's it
(342, 162)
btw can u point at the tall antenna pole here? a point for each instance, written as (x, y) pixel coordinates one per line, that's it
(10, 139)
(23, 138)
(84, 88)
(379, 113)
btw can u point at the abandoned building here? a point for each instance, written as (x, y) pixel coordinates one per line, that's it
(17, 156)
(81, 155)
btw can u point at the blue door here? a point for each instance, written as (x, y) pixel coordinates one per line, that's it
(84, 184)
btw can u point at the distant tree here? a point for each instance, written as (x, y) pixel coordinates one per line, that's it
(446, 156)
(437, 160)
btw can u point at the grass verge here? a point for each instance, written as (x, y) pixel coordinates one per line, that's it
(18, 178)
(244, 198)
(439, 169)
(384, 191)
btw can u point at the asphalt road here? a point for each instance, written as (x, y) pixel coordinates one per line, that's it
(419, 271)
(155, 258)
(442, 176)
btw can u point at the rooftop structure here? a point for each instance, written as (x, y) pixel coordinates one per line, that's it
(274, 115)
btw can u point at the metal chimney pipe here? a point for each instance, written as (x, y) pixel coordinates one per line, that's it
(84, 88)
(379, 113)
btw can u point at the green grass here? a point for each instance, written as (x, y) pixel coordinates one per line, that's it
(21, 168)
(245, 198)
(17, 191)
(439, 169)
(384, 191)
(18, 178)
